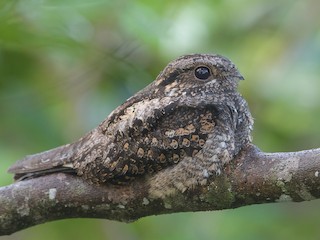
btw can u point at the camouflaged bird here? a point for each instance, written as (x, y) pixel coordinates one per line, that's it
(184, 127)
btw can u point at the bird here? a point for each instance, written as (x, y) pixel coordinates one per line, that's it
(187, 124)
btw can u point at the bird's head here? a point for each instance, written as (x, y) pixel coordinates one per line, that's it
(200, 76)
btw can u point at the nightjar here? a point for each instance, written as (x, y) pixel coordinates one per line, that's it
(184, 126)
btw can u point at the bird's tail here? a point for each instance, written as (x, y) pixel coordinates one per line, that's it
(55, 160)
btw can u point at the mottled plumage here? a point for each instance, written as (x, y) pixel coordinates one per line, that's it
(190, 121)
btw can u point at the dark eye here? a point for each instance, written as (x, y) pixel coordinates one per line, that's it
(202, 73)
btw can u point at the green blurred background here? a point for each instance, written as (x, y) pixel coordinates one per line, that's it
(65, 65)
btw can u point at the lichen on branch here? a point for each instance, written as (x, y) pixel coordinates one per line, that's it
(253, 177)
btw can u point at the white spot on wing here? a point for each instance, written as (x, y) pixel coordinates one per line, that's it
(145, 201)
(205, 173)
(141, 110)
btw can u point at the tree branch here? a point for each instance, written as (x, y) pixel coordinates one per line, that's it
(253, 177)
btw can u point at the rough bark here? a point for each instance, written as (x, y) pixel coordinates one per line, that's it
(253, 177)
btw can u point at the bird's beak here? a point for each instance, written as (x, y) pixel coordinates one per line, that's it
(239, 76)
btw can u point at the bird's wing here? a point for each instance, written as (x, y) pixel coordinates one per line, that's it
(163, 140)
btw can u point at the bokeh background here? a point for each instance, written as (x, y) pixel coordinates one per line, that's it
(65, 65)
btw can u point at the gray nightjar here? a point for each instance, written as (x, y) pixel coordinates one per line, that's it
(184, 126)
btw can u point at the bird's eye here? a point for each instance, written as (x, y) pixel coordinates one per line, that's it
(202, 73)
